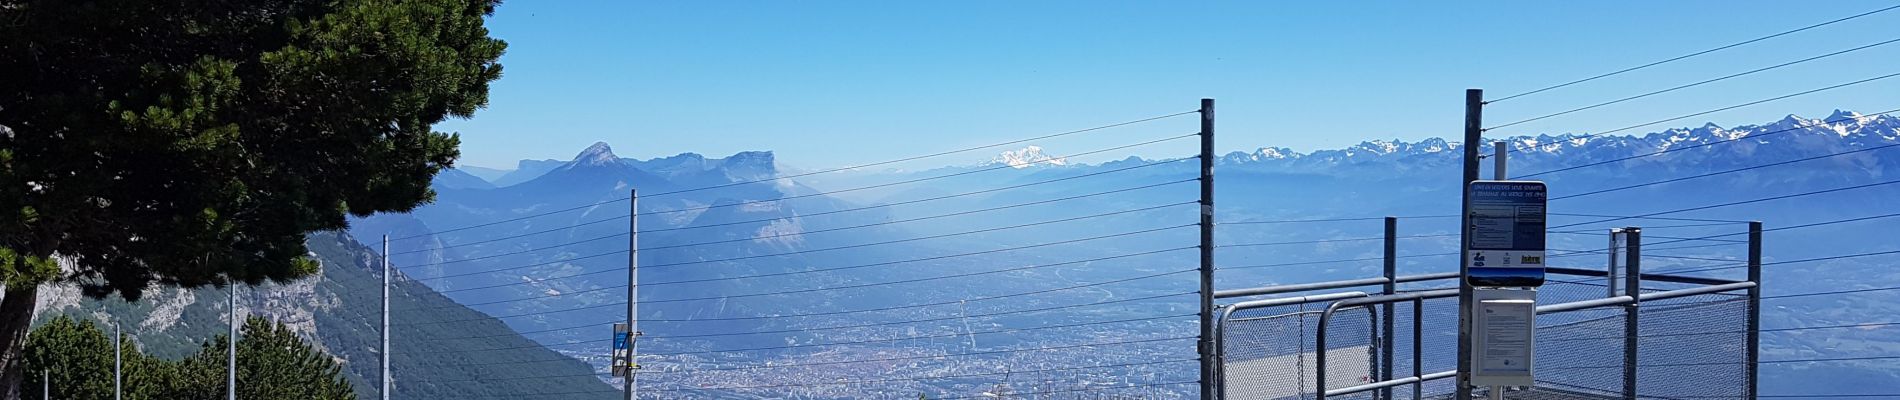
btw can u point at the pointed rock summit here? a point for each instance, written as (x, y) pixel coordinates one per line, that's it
(599, 154)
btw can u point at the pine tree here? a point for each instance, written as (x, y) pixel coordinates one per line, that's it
(192, 143)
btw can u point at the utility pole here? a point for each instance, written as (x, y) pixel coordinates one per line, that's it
(230, 351)
(46, 384)
(385, 355)
(633, 292)
(118, 362)
(1474, 132)
(1206, 344)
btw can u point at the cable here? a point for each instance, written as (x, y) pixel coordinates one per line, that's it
(1673, 59)
(853, 286)
(1724, 172)
(903, 182)
(976, 353)
(912, 158)
(1829, 293)
(1333, 240)
(1332, 261)
(1295, 221)
(885, 205)
(1075, 390)
(865, 325)
(1889, 41)
(801, 233)
(860, 245)
(1041, 291)
(1810, 193)
(829, 269)
(1650, 217)
(1673, 149)
(1805, 328)
(924, 378)
(1687, 116)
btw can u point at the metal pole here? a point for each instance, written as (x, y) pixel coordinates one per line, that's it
(1391, 286)
(633, 293)
(1418, 348)
(118, 362)
(230, 350)
(1474, 131)
(1610, 273)
(1205, 345)
(1632, 287)
(46, 384)
(1497, 160)
(385, 355)
(1754, 311)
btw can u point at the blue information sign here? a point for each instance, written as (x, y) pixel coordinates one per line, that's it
(1504, 233)
(620, 341)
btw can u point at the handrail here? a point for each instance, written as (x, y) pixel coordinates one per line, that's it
(1220, 351)
(1326, 317)
(1307, 287)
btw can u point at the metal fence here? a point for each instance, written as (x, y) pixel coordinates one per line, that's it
(1671, 337)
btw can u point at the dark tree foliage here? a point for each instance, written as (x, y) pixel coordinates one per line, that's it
(191, 143)
(273, 363)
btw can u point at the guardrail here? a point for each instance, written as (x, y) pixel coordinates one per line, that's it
(1327, 351)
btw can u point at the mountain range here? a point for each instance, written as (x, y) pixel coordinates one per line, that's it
(743, 263)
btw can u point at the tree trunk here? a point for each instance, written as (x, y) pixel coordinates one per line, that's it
(16, 316)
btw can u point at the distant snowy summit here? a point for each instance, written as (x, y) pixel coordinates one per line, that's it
(1026, 157)
(1790, 135)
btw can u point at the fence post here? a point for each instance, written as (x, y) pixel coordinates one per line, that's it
(1205, 344)
(1754, 311)
(1474, 132)
(1632, 287)
(1391, 287)
(1418, 348)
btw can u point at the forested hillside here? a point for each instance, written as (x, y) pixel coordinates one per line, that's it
(338, 312)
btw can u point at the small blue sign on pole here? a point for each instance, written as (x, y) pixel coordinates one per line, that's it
(1505, 234)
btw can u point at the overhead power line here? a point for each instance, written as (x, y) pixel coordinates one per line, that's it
(1685, 56)
(775, 178)
(1704, 82)
(1298, 221)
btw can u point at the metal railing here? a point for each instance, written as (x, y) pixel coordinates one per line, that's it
(1584, 326)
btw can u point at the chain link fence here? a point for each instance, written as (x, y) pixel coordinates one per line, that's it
(1687, 347)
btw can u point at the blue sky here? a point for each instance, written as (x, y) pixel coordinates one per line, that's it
(834, 83)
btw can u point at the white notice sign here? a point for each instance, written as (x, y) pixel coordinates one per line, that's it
(1506, 326)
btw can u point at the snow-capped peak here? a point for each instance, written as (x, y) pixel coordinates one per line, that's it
(1027, 157)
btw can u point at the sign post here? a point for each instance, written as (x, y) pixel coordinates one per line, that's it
(1504, 263)
(620, 349)
(1506, 234)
